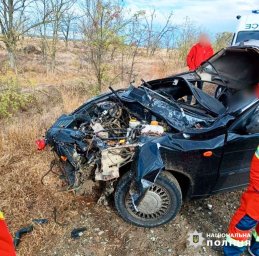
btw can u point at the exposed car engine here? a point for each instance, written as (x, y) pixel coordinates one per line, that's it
(98, 142)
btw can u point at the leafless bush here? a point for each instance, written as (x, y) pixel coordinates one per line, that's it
(155, 35)
(222, 40)
(188, 35)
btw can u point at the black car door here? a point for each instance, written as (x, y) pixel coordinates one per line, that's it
(240, 146)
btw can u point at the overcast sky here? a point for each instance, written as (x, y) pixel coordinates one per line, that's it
(213, 15)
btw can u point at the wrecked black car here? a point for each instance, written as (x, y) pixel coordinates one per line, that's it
(152, 149)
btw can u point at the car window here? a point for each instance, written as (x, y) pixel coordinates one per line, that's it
(243, 36)
(248, 123)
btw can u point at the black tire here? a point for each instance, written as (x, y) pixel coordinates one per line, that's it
(166, 188)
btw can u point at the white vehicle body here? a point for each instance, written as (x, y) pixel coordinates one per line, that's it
(248, 28)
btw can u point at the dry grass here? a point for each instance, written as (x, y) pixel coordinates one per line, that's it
(23, 197)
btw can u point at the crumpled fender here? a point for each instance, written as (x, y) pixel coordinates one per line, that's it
(146, 167)
(149, 163)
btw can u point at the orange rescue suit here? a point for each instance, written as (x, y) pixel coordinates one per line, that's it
(249, 201)
(6, 241)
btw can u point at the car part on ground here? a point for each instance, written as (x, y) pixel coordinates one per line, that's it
(40, 221)
(151, 128)
(77, 232)
(18, 234)
(25, 230)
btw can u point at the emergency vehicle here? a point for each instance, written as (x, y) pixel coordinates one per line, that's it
(248, 28)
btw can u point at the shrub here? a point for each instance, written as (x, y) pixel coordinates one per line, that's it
(223, 40)
(11, 97)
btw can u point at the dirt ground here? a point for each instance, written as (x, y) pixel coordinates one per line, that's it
(24, 197)
(107, 234)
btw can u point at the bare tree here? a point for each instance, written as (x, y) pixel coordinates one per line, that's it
(156, 34)
(14, 23)
(50, 29)
(135, 39)
(187, 36)
(68, 23)
(169, 40)
(59, 9)
(43, 7)
(101, 26)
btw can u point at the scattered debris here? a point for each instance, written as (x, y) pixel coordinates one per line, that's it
(108, 190)
(52, 164)
(77, 232)
(18, 235)
(209, 206)
(100, 233)
(40, 221)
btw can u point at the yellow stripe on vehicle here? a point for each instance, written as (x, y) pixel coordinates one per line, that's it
(1, 216)
(256, 236)
(257, 154)
(236, 243)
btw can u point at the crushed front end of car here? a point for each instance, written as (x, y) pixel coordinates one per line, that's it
(109, 132)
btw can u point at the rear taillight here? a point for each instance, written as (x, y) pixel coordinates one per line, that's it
(41, 144)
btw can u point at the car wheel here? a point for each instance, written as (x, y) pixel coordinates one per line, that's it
(160, 204)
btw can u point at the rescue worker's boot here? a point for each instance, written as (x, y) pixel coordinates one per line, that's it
(238, 237)
(254, 247)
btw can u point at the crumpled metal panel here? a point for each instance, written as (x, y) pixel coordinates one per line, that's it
(149, 162)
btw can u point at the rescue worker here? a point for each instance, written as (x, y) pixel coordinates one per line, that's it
(246, 217)
(199, 53)
(6, 241)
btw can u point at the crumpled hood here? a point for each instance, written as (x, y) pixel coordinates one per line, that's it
(163, 108)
